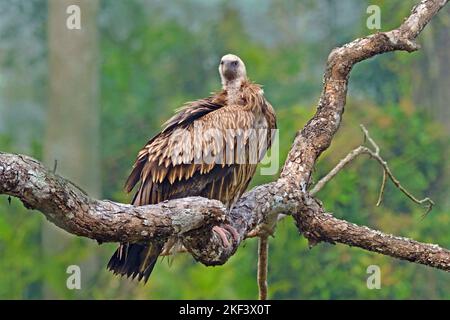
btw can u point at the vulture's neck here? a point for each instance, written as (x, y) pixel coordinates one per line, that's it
(233, 89)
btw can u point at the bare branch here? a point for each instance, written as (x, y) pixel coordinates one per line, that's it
(188, 218)
(387, 171)
(352, 155)
(263, 253)
(318, 133)
(191, 219)
(317, 226)
(369, 138)
(105, 221)
(382, 188)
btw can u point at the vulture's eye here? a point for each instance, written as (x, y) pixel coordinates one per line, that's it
(221, 62)
(235, 63)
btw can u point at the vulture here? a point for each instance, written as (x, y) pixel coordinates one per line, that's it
(209, 148)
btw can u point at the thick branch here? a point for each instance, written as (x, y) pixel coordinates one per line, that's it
(318, 133)
(189, 218)
(375, 154)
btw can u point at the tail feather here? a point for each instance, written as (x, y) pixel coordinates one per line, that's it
(135, 260)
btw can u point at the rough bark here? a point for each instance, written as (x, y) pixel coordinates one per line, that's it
(263, 259)
(191, 219)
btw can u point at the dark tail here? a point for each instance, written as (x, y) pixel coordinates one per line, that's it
(135, 260)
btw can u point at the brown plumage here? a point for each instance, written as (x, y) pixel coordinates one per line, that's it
(209, 148)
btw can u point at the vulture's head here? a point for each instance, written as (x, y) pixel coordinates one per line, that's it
(232, 69)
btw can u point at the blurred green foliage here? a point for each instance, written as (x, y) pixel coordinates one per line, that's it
(156, 56)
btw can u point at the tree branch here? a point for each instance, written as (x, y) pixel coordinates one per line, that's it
(375, 154)
(318, 133)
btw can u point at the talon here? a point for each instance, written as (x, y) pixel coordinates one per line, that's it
(223, 236)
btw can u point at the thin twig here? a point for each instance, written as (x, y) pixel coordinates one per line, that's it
(263, 248)
(386, 173)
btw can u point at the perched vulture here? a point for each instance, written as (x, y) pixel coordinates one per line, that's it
(209, 148)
